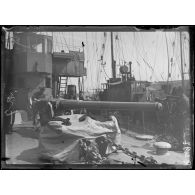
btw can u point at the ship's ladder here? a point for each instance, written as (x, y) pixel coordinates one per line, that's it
(63, 84)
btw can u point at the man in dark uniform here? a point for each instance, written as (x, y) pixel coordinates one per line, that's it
(35, 98)
(39, 94)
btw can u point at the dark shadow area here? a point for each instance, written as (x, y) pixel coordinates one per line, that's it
(27, 132)
(30, 156)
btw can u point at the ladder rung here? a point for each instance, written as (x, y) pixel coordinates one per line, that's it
(64, 78)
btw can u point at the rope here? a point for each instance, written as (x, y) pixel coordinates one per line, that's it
(105, 72)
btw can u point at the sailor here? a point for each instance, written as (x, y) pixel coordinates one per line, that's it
(36, 97)
(39, 94)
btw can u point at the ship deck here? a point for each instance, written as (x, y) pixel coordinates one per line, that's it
(22, 147)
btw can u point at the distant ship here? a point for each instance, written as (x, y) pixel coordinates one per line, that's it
(124, 89)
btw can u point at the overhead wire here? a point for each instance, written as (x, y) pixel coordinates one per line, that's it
(102, 50)
(139, 53)
(172, 61)
(121, 48)
(105, 55)
(146, 61)
(97, 62)
(155, 54)
(142, 57)
(167, 56)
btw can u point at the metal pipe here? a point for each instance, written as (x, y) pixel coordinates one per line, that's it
(107, 105)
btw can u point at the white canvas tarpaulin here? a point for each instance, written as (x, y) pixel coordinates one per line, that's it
(59, 142)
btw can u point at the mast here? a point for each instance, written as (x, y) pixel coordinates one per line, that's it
(182, 74)
(112, 58)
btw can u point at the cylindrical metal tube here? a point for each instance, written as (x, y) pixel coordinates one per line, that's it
(105, 105)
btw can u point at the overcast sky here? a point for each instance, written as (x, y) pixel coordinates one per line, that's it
(146, 50)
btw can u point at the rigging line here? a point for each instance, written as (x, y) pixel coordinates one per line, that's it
(72, 39)
(75, 56)
(133, 45)
(146, 56)
(174, 54)
(97, 78)
(87, 57)
(176, 57)
(156, 52)
(145, 63)
(143, 48)
(135, 57)
(57, 44)
(56, 41)
(143, 58)
(122, 48)
(105, 40)
(136, 49)
(171, 43)
(104, 54)
(125, 47)
(93, 59)
(60, 41)
(162, 76)
(106, 49)
(152, 68)
(167, 56)
(149, 66)
(65, 42)
(92, 63)
(105, 71)
(139, 70)
(99, 67)
(146, 73)
(173, 46)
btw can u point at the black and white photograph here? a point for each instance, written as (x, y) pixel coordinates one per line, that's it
(96, 97)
